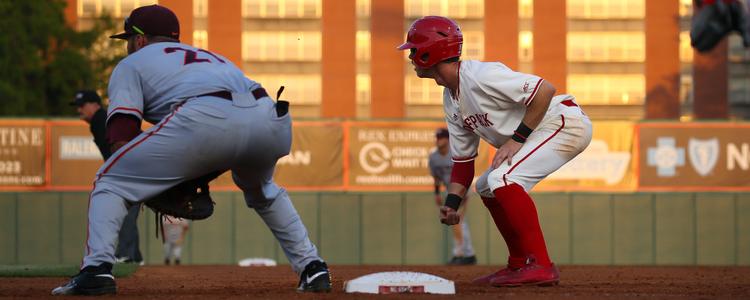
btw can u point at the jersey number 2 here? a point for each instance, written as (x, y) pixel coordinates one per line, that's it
(192, 56)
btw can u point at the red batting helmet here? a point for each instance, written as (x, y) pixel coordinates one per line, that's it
(433, 39)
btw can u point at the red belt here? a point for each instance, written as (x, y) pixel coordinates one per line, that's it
(257, 93)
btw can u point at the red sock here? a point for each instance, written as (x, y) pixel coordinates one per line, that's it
(522, 219)
(517, 256)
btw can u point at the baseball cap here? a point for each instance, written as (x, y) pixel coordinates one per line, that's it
(84, 96)
(441, 133)
(152, 20)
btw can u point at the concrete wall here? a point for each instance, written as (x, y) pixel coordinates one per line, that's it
(402, 228)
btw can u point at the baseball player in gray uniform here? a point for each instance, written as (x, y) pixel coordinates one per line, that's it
(207, 117)
(440, 164)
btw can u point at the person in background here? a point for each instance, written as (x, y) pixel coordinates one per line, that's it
(89, 107)
(175, 230)
(440, 168)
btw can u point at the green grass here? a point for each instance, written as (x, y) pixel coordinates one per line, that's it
(119, 270)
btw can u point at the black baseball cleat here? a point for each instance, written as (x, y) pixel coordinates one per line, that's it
(92, 280)
(468, 260)
(315, 278)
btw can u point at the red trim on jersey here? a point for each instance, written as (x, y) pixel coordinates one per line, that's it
(532, 151)
(125, 108)
(533, 93)
(463, 173)
(137, 143)
(464, 159)
(568, 102)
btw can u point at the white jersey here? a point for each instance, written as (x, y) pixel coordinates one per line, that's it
(491, 101)
(148, 82)
(173, 228)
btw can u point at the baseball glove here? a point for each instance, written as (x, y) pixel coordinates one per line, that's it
(187, 200)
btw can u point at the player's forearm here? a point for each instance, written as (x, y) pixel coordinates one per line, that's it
(438, 199)
(538, 107)
(461, 176)
(458, 189)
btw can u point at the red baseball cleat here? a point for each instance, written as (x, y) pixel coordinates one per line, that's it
(530, 274)
(487, 279)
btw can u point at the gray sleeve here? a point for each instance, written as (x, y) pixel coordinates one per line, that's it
(125, 93)
(433, 168)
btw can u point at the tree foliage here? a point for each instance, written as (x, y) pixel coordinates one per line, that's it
(43, 61)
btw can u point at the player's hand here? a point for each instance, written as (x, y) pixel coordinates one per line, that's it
(448, 216)
(506, 153)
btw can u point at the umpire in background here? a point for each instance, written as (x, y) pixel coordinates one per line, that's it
(89, 107)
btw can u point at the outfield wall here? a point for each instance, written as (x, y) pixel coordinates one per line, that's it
(402, 228)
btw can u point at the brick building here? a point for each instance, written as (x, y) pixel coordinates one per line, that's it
(623, 59)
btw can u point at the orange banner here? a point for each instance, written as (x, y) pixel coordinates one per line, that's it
(388, 156)
(606, 164)
(694, 156)
(392, 156)
(314, 162)
(22, 153)
(74, 156)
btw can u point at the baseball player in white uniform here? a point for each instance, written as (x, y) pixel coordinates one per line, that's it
(207, 117)
(534, 132)
(175, 230)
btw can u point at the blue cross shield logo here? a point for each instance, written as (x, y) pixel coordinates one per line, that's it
(666, 157)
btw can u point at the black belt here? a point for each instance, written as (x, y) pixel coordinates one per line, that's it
(257, 93)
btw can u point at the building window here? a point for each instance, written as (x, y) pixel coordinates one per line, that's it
(739, 71)
(200, 39)
(363, 45)
(363, 8)
(301, 89)
(281, 8)
(686, 8)
(739, 90)
(606, 46)
(88, 8)
(423, 91)
(281, 46)
(526, 9)
(200, 8)
(525, 46)
(115, 8)
(606, 9)
(462, 9)
(605, 89)
(473, 47)
(686, 50)
(363, 89)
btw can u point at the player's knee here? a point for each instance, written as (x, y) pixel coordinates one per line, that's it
(265, 198)
(482, 186)
(508, 179)
(499, 178)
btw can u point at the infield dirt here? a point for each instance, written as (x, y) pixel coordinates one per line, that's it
(577, 282)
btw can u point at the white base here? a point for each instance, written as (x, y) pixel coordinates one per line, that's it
(257, 262)
(400, 283)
